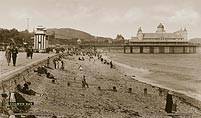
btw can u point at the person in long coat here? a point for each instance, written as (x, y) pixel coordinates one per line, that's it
(31, 52)
(8, 54)
(14, 55)
(169, 103)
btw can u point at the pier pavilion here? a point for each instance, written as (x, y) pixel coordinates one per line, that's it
(160, 42)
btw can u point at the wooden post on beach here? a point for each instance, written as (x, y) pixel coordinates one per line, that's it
(99, 88)
(53, 81)
(129, 90)
(160, 91)
(145, 91)
(68, 84)
(131, 49)
(114, 89)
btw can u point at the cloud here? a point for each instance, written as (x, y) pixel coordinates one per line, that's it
(103, 17)
(186, 16)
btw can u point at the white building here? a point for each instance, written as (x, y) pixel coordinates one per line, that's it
(161, 34)
(40, 39)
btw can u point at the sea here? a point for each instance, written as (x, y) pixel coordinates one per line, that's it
(176, 72)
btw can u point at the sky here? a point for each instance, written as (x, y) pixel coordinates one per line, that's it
(103, 17)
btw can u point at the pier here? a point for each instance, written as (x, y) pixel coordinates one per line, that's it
(163, 47)
(150, 47)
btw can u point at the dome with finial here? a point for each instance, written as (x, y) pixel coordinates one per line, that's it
(160, 25)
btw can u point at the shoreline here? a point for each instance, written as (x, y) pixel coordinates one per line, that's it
(190, 98)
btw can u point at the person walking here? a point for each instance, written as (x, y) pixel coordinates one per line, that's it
(8, 54)
(31, 52)
(84, 83)
(14, 55)
(27, 50)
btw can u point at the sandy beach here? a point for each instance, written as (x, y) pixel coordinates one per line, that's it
(74, 101)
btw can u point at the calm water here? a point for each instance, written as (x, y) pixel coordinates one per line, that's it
(179, 72)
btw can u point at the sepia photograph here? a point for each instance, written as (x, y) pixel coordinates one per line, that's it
(100, 59)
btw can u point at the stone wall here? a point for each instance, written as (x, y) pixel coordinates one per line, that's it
(8, 82)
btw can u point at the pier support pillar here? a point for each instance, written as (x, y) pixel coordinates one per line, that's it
(124, 49)
(151, 50)
(156, 50)
(146, 49)
(166, 50)
(171, 50)
(184, 51)
(131, 49)
(161, 50)
(194, 49)
(141, 49)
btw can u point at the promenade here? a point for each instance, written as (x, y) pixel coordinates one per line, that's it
(22, 62)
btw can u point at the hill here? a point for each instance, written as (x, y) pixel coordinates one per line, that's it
(68, 35)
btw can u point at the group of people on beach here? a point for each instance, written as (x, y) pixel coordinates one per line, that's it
(58, 63)
(105, 61)
(11, 52)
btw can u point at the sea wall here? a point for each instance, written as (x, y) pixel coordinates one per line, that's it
(8, 81)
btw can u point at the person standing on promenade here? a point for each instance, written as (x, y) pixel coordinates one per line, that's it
(31, 52)
(27, 50)
(8, 54)
(14, 54)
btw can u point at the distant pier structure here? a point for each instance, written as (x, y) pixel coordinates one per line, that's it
(40, 39)
(160, 42)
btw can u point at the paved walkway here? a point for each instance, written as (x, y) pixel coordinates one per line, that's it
(22, 62)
